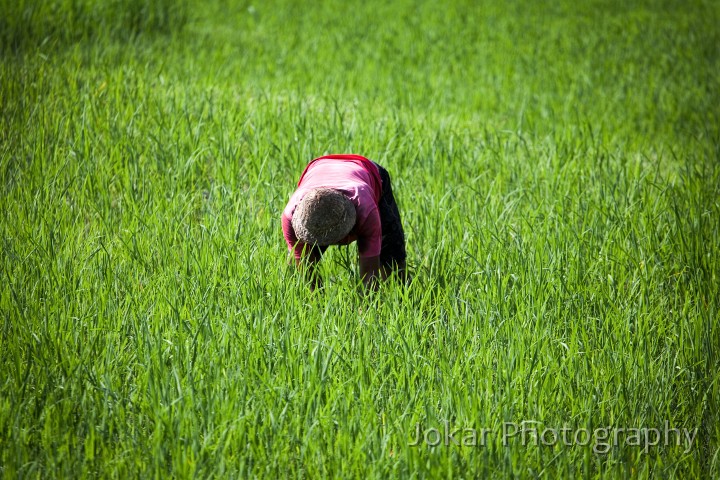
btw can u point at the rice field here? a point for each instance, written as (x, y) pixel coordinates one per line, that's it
(557, 168)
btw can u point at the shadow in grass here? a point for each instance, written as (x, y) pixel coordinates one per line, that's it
(34, 24)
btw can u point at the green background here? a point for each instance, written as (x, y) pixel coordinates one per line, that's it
(556, 167)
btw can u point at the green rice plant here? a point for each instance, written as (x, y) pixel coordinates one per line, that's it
(32, 24)
(556, 168)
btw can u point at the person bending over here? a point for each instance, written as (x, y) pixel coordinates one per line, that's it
(341, 199)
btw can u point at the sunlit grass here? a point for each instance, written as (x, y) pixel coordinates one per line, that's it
(557, 173)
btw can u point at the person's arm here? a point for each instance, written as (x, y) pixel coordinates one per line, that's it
(369, 238)
(370, 271)
(309, 260)
(304, 257)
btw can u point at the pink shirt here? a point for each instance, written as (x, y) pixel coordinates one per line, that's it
(359, 181)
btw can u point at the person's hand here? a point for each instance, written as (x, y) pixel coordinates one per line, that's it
(370, 272)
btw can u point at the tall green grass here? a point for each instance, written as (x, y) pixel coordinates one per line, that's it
(32, 24)
(557, 172)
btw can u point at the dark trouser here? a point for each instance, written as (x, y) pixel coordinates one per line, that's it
(392, 253)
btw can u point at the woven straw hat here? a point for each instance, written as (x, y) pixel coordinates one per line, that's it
(323, 217)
